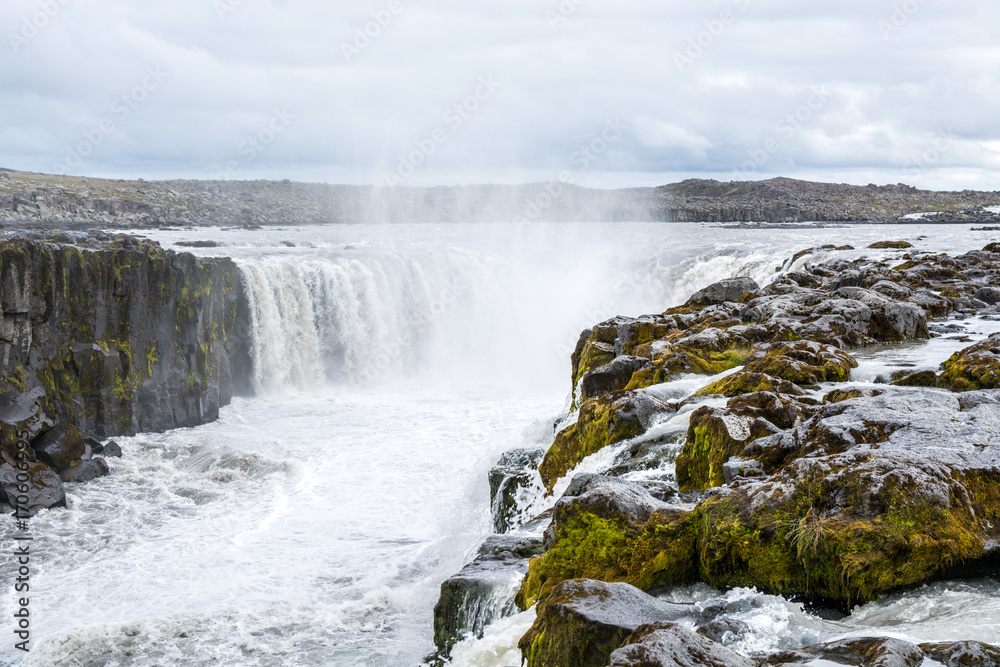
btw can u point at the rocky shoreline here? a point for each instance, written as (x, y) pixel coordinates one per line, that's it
(104, 336)
(45, 200)
(788, 479)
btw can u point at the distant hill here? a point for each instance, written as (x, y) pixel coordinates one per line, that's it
(48, 200)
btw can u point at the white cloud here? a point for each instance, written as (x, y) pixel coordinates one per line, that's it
(889, 97)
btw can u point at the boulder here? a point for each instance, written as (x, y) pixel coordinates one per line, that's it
(601, 422)
(61, 447)
(581, 622)
(671, 645)
(963, 654)
(803, 362)
(43, 490)
(511, 480)
(867, 652)
(975, 367)
(612, 530)
(725, 290)
(746, 382)
(988, 295)
(112, 449)
(891, 245)
(611, 377)
(85, 471)
(890, 320)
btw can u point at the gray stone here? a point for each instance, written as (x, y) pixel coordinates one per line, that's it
(726, 290)
(670, 645)
(988, 295)
(85, 471)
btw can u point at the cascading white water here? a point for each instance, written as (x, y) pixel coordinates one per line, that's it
(313, 524)
(324, 319)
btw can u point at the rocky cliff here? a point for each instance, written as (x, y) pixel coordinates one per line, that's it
(109, 336)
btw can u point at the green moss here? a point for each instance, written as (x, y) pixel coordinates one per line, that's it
(598, 425)
(587, 546)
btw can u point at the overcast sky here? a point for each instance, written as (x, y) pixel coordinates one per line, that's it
(606, 92)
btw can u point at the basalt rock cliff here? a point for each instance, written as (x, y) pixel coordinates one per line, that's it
(102, 337)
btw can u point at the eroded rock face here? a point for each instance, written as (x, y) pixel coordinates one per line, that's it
(581, 622)
(614, 376)
(119, 334)
(671, 645)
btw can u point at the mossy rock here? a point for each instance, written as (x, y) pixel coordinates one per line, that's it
(870, 495)
(601, 422)
(612, 530)
(581, 622)
(804, 362)
(890, 245)
(714, 436)
(975, 367)
(992, 247)
(745, 382)
(926, 378)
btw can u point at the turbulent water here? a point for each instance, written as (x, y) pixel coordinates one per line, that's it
(313, 523)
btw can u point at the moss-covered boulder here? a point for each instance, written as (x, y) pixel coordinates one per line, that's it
(716, 435)
(975, 367)
(804, 362)
(872, 494)
(747, 382)
(601, 422)
(581, 622)
(885, 490)
(612, 530)
(891, 245)
(925, 378)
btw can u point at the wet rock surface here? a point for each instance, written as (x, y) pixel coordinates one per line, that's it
(670, 645)
(107, 336)
(581, 622)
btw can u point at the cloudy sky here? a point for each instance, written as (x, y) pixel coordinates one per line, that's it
(614, 92)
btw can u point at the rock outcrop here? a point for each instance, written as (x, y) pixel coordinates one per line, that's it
(110, 336)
